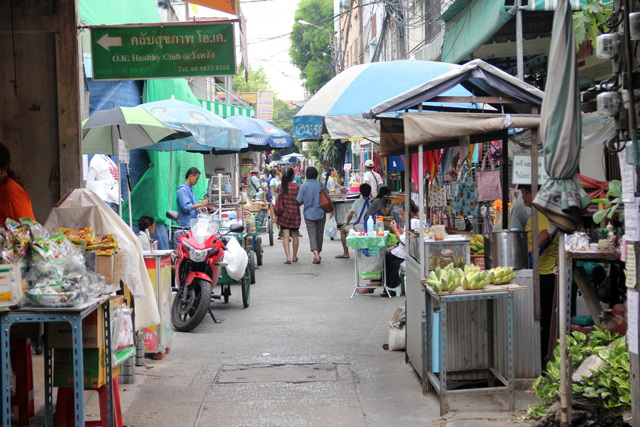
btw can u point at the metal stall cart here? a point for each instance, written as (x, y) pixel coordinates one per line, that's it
(369, 261)
(343, 206)
(157, 338)
(439, 331)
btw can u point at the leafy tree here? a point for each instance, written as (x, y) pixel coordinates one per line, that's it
(283, 115)
(258, 80)
(310, 46)
(589, 21)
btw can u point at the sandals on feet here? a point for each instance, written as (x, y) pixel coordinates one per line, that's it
(294, 260)
(342, 257)
(316, 261)
(287, 262)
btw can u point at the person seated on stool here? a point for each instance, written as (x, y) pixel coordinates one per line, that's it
(359, 209)
(396, 255)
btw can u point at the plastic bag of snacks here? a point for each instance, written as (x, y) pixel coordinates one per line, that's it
(578, 241)
(56, 292)
(55, 257)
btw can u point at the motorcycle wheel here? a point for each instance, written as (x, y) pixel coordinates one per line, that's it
(185, 316)
(270, 227)
(246, 287)
(252, 267)
(259, 252)
(226, 293)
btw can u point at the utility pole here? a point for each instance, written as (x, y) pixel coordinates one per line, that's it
(519, 41)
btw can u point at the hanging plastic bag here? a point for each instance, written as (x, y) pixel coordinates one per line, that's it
(332, 229)
(519, 214)
(370, 264)
(236, 259)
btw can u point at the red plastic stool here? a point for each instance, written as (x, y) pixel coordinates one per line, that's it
(65, 407)
(24, 379)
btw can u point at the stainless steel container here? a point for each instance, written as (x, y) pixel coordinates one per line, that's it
(506, 249)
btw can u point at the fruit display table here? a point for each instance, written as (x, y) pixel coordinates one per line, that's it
(436, 335)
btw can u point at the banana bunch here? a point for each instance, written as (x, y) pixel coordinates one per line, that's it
(473, 278)
(501, 275)
(477, 244)
(444, 279)
(450, 278)
(459, 261)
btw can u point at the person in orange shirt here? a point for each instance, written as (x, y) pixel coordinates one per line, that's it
(14, 200)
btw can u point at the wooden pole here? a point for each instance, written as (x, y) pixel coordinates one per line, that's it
(534, 219)
(633, 289)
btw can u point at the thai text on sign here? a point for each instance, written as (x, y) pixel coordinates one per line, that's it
(522, 170)
(265, 105)
(158, 51)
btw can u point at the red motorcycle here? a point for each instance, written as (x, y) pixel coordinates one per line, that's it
(197, 270)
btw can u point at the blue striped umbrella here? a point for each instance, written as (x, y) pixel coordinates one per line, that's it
(337, 108)
(261, 135)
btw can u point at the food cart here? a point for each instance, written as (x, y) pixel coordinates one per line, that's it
(508, 103)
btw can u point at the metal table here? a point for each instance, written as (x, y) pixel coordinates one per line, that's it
(438, 378)
(360, 243)
(74, 316)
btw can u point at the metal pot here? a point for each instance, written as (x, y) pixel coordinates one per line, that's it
(506, 249)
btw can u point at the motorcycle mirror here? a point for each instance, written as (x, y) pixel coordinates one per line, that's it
(236, 228)
(173, 215)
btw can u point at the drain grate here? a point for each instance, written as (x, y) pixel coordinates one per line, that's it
(287, 373)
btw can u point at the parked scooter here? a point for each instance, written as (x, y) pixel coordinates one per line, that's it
(197, 270)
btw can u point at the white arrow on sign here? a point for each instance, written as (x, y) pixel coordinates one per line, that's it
(107, 41)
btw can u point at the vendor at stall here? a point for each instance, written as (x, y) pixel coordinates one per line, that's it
(187, 205)
(332, 181)
(380, 205)
(394, 257)
(548, 244)
(14, 200)
(358, 210)
(146, 227)
(254, 186)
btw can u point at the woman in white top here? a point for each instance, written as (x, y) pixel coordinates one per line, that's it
(396, 255)
(147, 227)
(332, 182)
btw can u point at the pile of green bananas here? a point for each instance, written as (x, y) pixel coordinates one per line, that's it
(501, 275)
(477, 244)
(450, 278)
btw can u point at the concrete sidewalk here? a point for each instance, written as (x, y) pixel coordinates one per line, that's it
(302, 354)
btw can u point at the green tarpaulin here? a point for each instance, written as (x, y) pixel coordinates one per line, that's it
(551, 4)
(151, 194)
(471, 27)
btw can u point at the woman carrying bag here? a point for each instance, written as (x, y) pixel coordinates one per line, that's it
(314, 214)
(289, 219)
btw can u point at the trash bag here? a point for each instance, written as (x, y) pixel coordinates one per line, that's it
(519, 214)
(236, 259)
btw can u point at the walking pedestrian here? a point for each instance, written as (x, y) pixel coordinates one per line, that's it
(289, 220)
(314, 215)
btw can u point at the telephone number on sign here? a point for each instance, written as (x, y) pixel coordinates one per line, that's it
(302, 129)
(215, 67)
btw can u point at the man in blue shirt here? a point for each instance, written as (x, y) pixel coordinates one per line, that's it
(187, 206)
(314, 215)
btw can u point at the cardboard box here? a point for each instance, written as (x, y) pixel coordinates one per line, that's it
(12, 283)
(94, 369)
(92, 330)
(110, 266)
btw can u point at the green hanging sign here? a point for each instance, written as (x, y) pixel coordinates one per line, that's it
(131, 52)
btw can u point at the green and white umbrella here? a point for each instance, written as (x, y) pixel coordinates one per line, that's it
(101, 131)
(562, 199)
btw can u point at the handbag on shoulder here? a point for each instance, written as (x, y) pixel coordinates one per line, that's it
(325, 201)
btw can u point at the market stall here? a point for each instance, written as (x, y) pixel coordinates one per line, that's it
(510, 104)
(63, 275)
